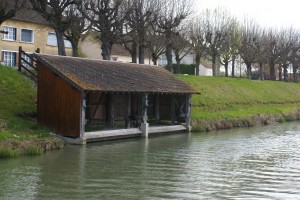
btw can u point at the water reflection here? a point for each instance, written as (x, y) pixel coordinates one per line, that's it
(263, 162)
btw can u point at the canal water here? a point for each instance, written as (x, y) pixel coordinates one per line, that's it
(256, 163)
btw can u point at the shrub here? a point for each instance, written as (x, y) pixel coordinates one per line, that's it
(32, 150)
(183, 69)
(8, 153)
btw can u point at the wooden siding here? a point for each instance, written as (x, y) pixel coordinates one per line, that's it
(59, 105)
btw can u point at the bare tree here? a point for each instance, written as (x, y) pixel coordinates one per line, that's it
(78, 25)
(197, 38)
(261, 55)
(107, 19)
(140, 16)
(129, 41)
(53, 11)
(181, 45)
(288, 43)
(272, 51)
(248, 49)
(230, 45)
(156, 44)
(216, 22)
(8, 9)
(172, 14)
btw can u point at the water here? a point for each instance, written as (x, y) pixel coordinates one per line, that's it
(256, 163)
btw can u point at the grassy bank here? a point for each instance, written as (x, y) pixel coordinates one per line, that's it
(19, 132)
(226, 102)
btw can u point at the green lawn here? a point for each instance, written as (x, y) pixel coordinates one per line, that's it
(19, 132)
(227, 99)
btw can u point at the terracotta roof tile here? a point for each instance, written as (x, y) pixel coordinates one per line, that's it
(108, 76)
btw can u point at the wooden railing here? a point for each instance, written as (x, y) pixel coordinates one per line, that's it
(27, 65)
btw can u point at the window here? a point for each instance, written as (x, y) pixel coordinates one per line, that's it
(52, 41)
(11, 33)
(27, 35)
(9, 58)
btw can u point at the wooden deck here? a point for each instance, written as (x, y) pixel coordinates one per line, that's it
(128, 133)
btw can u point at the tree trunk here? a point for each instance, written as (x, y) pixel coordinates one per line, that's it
(272, 70)
(141, 54)
(262, 78)
(233, 67)
(133, 52)
(214, 68)
(60, 43)
(75, 49)
(177, 58)
(154, 59)
(197, 59)
(169, 51)
(285, 73)
(249, 71)
(105, 47)
(280, 72)
(295, 77)
(226, 69)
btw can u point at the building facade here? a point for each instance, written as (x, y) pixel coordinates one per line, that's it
(29, 30)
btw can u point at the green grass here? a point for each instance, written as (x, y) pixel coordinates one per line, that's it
(19, 132)
(227, 99)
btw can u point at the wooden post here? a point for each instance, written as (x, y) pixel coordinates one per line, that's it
(157, 114)
(111, 110)
(145, 125)
(19, 59)
(144, 109)
(188, 112)
(83, 120)
(127, 110)
(173, 107)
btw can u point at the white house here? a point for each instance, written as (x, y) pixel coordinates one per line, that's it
(205, 70)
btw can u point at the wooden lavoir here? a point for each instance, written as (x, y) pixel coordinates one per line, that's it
(126, 100)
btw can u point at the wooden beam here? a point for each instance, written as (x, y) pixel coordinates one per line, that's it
(157, 108)
(144, 108)
(188, 107)
(82, 117)
(173, 108)
(127, 110)
(97, 106)
(110, 110)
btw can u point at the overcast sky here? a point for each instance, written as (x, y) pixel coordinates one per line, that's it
(271, 13)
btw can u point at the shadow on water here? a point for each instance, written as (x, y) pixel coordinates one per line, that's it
(261, 162)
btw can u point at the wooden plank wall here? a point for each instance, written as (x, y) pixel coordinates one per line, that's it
(59, 104)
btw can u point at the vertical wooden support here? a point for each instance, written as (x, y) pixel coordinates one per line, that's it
(188, 112)
(173, 107)
(127, 110)
(111, 110)
(157, 108)
(83, 120)
(144, 109)
(145, 125)
(19, 59)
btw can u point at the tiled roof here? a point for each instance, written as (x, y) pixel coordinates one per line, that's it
(119, 50)
(107, 76)
(27, 14)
